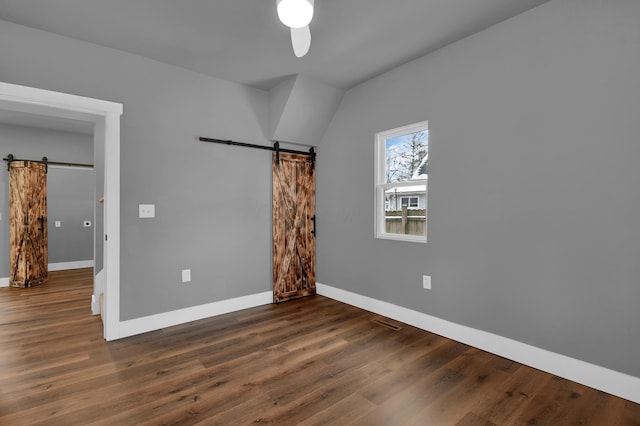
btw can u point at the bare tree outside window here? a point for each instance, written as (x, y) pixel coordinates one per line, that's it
(404, 155)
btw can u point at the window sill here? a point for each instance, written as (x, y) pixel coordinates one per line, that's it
(402, 237)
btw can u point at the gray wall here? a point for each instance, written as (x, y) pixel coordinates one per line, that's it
(213, 202)
(70, 194)
(533, 229)
(534, 224)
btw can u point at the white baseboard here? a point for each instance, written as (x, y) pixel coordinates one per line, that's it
(604, 379)
(63, 266)
(181, 316)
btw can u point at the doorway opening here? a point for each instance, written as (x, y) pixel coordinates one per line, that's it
(105, 118)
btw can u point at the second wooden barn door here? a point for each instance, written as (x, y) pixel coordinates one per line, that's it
(28, 223)
(294, 243)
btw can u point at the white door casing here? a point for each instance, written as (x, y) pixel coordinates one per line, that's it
(105, 116)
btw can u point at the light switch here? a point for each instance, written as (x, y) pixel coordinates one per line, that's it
(58, 224)
(146, 210)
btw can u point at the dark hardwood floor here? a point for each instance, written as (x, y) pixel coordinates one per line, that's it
(304, 362)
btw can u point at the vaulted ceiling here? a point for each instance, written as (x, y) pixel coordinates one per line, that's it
(243, 41)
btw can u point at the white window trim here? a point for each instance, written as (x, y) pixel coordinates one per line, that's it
(409, 198)
(381, 186)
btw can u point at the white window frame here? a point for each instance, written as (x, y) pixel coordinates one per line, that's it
(409, 198)
(381, 186)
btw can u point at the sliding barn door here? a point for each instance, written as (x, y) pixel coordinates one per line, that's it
(294, 243)
(28, 223)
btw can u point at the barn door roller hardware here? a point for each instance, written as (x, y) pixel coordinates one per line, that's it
(312, 153)
(275, 147)
(46, 162)
(10, 158)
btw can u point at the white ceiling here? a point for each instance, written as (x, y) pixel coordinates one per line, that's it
(243, 41)
(17, 118)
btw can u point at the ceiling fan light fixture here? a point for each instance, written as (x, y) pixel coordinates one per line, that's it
(300, 41)
(295, 13)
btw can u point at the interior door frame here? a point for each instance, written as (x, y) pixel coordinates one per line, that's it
(105, 116)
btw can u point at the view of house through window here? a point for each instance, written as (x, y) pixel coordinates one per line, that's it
(402, 170)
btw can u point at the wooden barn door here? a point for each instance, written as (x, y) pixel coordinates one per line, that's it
(28, 223)
(294, 242)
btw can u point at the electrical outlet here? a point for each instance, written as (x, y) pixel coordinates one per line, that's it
(426, 282)
(186, 275)
(146, 210)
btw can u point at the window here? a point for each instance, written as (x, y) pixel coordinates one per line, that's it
(409, 202)
(402, 173)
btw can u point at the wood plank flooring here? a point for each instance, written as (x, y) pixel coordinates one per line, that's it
(310, 361)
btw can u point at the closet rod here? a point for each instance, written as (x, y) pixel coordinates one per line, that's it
(275, 147)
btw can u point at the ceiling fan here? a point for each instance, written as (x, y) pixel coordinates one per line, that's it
(297, 14)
